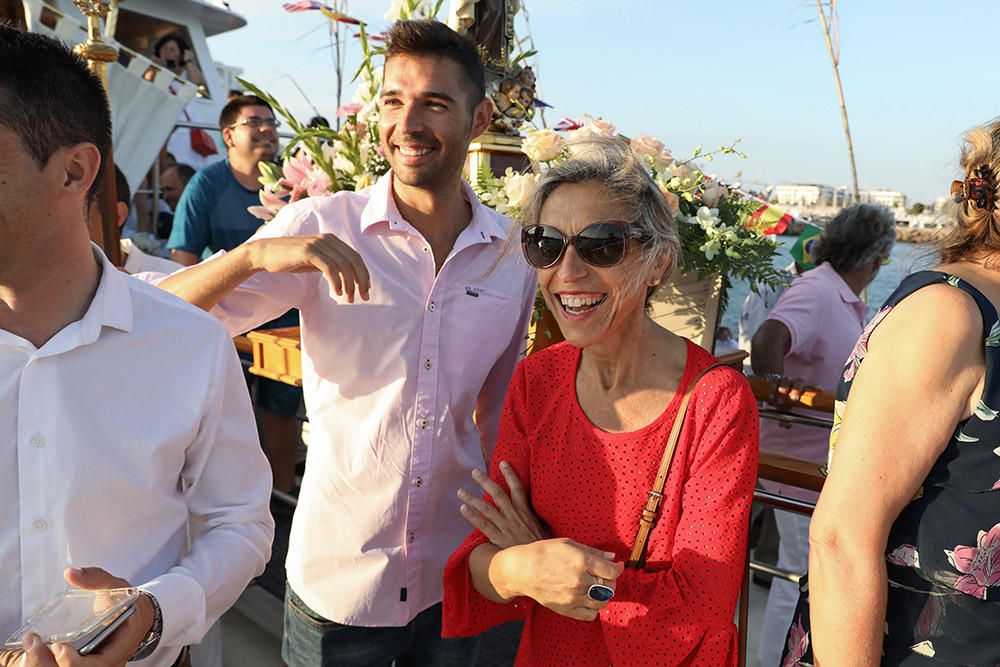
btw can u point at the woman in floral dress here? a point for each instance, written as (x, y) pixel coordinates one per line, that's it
(905, 540)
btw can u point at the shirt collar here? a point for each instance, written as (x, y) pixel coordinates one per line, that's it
(381, 208)
(111, 307)
(847, 295)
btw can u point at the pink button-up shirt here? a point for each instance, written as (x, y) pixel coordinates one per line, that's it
(824, 319)
(391, 385)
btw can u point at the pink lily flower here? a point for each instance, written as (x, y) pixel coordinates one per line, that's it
(349, 109)
(979, 565)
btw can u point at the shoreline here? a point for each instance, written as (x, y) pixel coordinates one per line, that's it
(904, 233)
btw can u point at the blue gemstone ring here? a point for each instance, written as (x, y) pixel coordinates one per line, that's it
(600, 593)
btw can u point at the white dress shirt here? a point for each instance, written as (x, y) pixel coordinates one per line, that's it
(118, 430)
(390, 386)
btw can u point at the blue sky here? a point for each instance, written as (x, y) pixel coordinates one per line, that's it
(916, 74)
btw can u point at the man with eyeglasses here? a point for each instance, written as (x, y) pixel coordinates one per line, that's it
(212, 216)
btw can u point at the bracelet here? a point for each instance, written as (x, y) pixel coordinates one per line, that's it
(152, 639)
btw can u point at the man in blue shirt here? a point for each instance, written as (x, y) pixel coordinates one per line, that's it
(212, 216)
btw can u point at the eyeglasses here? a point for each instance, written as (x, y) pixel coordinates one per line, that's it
(600, 244)
(255, 122)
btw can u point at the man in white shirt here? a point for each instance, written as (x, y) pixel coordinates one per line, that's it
(123, 411)
(412, 321)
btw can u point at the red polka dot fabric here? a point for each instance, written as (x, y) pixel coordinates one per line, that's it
(590, 486)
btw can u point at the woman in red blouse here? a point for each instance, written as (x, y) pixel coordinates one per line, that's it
(583, 432)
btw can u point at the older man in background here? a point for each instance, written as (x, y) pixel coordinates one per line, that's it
(805, 341)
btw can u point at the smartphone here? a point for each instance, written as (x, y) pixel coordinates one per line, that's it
(80, 618)
(88, 644)
(171, 63)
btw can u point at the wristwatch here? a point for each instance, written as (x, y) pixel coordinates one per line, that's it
(152, 640)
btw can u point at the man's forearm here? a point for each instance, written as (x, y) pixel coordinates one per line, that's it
(767, 351)
(205, 284)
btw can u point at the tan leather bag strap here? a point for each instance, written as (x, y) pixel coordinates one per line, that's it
(653, 499)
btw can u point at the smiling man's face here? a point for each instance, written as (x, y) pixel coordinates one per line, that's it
(427, 119)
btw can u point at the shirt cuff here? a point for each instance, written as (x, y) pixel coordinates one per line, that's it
(182, 603)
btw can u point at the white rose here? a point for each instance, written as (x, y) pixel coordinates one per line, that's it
(646, 146)
(542, 145)
(673, 202)
(595, 127)
(518, 188)
(713, 193)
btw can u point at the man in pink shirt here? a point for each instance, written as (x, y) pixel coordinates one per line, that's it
(410, 324)
(805, 341)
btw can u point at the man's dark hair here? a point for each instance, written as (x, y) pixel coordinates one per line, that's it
(182, 44)
(231, 111)
(184, 171)
(319, 121)
(122, 192)
(49, 98)
(433, 38)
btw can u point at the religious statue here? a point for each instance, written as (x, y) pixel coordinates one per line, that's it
(490, 23)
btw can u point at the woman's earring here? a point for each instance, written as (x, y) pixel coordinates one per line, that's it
(654, 282)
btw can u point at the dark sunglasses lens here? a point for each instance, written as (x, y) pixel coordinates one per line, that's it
(542, 245)
(602, 244)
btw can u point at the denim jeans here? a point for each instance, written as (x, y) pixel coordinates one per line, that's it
(312, 641)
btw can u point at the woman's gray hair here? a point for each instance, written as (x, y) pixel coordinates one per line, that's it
(612, 164)
(858, 235)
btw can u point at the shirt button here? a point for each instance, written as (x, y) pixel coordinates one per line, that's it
(40, 525)
(412, 536)
(422, 423)
(428, 365)
(418, 482)
(426, 249)
(37, 441)
(431, 306)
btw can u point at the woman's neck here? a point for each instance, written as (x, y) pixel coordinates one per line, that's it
(634, 360)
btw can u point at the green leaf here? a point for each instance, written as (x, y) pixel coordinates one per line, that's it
(523, 56)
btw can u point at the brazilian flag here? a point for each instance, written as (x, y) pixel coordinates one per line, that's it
(802, 251)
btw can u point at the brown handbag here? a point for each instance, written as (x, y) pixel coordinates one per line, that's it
(653, 499)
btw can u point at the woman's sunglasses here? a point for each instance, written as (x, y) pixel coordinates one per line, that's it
(600, 244)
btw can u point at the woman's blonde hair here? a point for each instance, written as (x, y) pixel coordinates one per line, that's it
(978, 230)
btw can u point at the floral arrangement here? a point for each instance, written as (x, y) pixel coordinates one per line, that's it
(718, 231)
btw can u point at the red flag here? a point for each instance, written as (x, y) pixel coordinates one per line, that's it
(769, 220)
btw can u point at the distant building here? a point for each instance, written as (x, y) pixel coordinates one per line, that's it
(802, 194)
(883, 197)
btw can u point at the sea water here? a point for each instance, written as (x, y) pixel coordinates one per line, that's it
(906, 259)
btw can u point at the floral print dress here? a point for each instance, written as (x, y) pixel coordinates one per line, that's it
(943, 553)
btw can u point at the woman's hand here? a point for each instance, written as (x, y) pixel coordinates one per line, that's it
(512, 521)
(557, 574)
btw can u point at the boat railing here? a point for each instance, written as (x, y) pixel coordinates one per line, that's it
(773, 467)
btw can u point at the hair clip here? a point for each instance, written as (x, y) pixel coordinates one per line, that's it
(979, 188)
